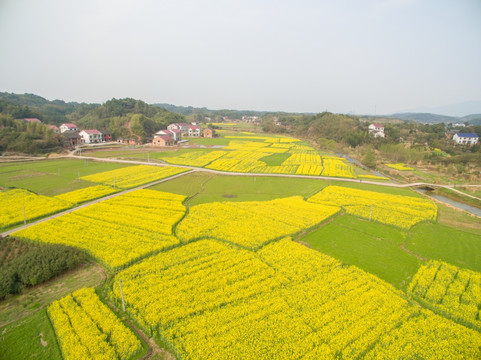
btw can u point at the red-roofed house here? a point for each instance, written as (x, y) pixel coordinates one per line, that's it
(90, 136)
(183, 127)
(34, 120)
(194, 130)
(68, 126)
(54, 128)
(377, 130)
(173, 133)
(163, 140)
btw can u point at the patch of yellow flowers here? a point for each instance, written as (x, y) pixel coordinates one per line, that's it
(118, 230)
(86, 194)
(285, 301)
(399, 166)
(450, 289)
(401, 211)
(13, 203)
(195, 158)
(88, 329)
(132, 176)
(252, 223)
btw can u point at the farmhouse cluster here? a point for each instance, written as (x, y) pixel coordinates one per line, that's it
(174, 132)
(72, 136)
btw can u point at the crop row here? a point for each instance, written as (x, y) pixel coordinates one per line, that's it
(252, 223)
(211, 300)
(451, 289)
(87, 329)
(86, 194)
(132, 176)
(116, 231)
(401, 211)
(17, 202)
(195, 158)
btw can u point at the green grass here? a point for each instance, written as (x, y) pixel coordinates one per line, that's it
(458, 197)
(52, 177)
(241, 188)
(275, 159)
(188, 185)
(373, 247)
(22, 305)
(21, 340)
(439, 242)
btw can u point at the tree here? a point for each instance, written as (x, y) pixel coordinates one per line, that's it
(370, 157)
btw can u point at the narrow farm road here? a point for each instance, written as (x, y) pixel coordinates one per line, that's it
(6, 233)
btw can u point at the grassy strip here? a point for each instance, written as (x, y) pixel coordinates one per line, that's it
(32, 337)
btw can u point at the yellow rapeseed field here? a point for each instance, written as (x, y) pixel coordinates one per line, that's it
(118, 230)
(252, 223)
(88, 329)
(401, 211)
(450, 289)
(132, 176)
(86, 194)
(13, 203)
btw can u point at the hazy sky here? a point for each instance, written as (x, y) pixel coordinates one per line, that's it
(345, 56)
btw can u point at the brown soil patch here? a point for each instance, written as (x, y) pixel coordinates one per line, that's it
(230, 196)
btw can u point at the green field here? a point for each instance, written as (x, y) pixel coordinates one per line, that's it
(30, 338)
(52, 177)
(439, 242)
(275, 159)
(370, 246)
(205, 187)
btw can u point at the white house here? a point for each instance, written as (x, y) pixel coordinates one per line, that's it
(182, 127)
(194, 130)
(90, 136)
(68, 126)
(466, 139)
(377, 130)
(175, 134)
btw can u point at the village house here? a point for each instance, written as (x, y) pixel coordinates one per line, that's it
(466, 139)
(163, 140)
(182, 127)
(70, 138)
(175, 134)
(194, 131)
(106, 136)
(91, 136)
(54, 128)
(32, 120)
(377, 130)
(208, 133)
(67, 127)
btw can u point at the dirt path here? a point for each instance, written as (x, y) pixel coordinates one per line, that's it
(403, 248)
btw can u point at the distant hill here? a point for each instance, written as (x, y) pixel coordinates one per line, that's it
(50, 112)
(233, 114)
(129, 118)
(428, 118)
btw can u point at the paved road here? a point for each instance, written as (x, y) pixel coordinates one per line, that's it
(5, 233)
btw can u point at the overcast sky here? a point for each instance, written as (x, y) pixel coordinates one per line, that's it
(344, 56)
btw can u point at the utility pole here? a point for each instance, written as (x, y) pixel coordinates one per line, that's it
(370, 214)
(148, 156)
(114, 181)
(24, 218)
(122, 294)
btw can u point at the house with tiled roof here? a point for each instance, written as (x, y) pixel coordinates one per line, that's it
(32, 120)
(68, 126)
(54, 128)
(466, 138)
(91, 136)
(182, 127)
(377, 130)
(173, 133)
(162, 140)
(194, 130)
